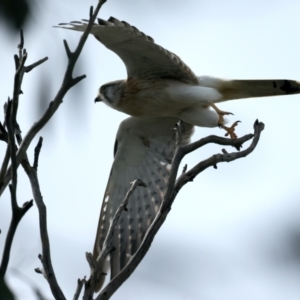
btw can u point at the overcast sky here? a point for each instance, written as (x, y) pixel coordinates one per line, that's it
(233, 233)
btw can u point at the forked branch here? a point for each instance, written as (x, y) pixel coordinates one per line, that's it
(68, 82)
(217, 158)
(11, 109)
(17, 156)
(17, 212)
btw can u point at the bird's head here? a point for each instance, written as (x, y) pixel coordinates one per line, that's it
(110, 93)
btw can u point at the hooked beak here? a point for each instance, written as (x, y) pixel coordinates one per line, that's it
(98, 99)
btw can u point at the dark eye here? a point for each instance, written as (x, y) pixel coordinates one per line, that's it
(103, 88)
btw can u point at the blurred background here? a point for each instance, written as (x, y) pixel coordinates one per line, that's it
(233, 233)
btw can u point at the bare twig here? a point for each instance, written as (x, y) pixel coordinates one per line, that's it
(48, 270)
(21, 156)
(96, 265)
(172, 190)
(68, 51)
(68, 82)
(4, 165)
(80, 283)
(37, 151)
(17, 212)
(27, 69)
(6, 158)
(20, 70)
(11, 108)
(213, 160)
(184, 169)
(17, 215)
(10, 122)
(3, 133)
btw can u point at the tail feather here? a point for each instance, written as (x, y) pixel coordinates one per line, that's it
(237, 89)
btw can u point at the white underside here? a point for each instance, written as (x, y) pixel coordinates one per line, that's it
(199, 116)
(197, 100)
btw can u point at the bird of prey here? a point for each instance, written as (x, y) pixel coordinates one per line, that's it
(160, 90)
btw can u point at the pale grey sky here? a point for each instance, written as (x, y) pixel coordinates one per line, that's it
(232, 233)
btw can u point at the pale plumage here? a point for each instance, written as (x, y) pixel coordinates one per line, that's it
(144, 149)
(160, 89)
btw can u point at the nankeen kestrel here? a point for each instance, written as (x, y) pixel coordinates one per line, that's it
(160, 90)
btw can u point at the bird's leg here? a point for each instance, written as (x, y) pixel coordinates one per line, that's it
(229, 130)
(221, 114)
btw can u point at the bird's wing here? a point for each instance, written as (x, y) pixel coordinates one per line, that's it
(237, 89)
(144, 150)
(142, 57)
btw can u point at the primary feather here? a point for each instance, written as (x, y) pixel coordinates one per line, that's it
(141, 56)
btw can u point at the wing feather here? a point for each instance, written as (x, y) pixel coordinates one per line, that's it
(141, 56)
(145, 150)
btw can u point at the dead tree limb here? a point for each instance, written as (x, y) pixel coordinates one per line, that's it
(68, 82)
(31, 171)
(45, 258)
(17, 156)
(11, 109)
(215, 159)
(17, 212)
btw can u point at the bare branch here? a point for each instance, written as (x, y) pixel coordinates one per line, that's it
(67, 48)
(77, 79)
(68, 82)
(213, 139)
(37, 151)
(21, 156)
(17, 212)
(215, 159)
(48, 270)
(3, 133)
(21, 45)
(96, 265)
(4, 165)
(80, 283)
(29, 68)
(172, 190)
(184, 169)
(7, 152)
(11, 109)
(20, 62)
(17, 215)
(10, 122)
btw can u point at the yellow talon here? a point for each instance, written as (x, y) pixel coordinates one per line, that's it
(230, 130)
(221, 113)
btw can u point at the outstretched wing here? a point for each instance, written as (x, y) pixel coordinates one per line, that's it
(237, 89)
(142, 57)
(144, 150)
